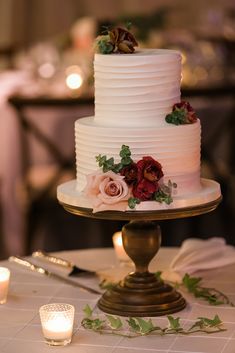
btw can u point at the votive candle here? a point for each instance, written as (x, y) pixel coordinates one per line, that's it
(4, 284)
(57, 323)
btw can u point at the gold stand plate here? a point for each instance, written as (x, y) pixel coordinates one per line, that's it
(159, 215)
(141, 293)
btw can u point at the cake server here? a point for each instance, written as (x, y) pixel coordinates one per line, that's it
(74, 270)
(43, 271)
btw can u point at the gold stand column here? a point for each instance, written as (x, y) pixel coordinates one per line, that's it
(141, 293)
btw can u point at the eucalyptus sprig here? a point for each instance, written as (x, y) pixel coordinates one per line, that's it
(136, 326)
(108, 163)
(164, 193)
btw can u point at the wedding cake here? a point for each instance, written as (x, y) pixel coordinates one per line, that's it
(141, 149)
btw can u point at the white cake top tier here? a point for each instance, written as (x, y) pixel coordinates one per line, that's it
(136, 89)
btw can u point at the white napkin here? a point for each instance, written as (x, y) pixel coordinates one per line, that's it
(199, 254)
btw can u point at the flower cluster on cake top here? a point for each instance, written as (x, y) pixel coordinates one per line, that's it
(182, 113)
(127, 183)
(117, 40)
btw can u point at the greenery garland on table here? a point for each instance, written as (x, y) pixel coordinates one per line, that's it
(136, 326)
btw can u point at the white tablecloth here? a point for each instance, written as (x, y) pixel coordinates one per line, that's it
(20, 329)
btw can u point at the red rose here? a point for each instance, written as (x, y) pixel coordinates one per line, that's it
(130, 172)
(149, 169)
(144, 190)
(189, 111)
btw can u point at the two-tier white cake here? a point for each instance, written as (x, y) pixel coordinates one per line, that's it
(133, 95)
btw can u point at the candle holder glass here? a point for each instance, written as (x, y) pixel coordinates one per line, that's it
(4, 284)
(57, 323)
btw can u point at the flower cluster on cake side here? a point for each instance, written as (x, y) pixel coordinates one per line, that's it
(182, 113)
(115, 186)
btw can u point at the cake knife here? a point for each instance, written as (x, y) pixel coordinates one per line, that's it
(43, 271)
(74, 270)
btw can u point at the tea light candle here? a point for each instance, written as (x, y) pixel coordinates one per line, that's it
(4, 284)
(57, 323)
(119, 249)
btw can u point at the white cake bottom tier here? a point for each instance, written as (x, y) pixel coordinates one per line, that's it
(177, 148)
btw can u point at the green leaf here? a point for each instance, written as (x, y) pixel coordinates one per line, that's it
(114, 321)
(204, 323)
(161, 196)
(158, 275)
(132, 323)
(95, 324)
(133, 201)
(125, 155)
(140, 325)
(101, 160)
(108, 164)
(216, 321)
(174, 323)
(177, 117)
(125, 151)
(104, 163)
(106, 284)
(145, 326)
(191, 282)
(87, 311)
(104, 45)
(117, 167)
(126, 161)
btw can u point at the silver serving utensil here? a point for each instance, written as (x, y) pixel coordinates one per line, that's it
(74, 270)
(43, 271)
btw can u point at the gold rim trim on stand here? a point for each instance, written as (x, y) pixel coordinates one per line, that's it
(145, 215)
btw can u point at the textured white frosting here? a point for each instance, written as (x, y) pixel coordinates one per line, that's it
(177, 148)
(136, 89)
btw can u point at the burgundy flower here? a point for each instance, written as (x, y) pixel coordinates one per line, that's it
(149, 169)
(130, 172)
(189, 111)
(145, 189)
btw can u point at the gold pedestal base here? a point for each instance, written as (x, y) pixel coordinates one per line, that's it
(141, 295)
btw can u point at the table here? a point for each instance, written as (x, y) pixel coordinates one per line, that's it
(20, 328)
(43, 156)
(54, 119)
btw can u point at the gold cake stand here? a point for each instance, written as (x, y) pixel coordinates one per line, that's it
(141, 293)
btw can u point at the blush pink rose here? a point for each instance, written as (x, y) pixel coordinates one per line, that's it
(108, 191)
